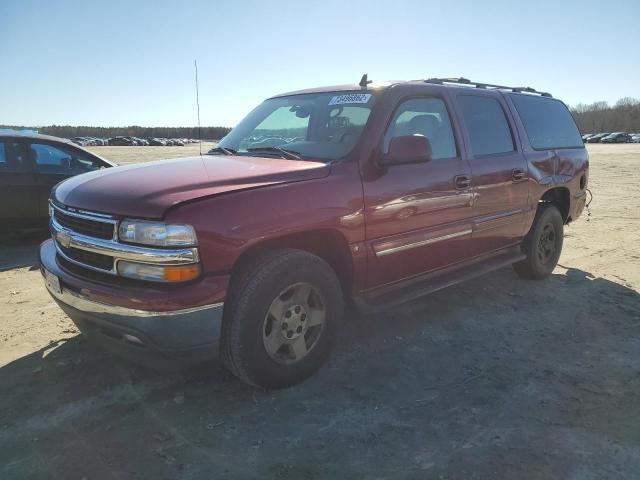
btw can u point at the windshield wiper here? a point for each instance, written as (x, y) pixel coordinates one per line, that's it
(290, 154)
(218, 149)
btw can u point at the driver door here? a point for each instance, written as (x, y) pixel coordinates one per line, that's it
(418, 216)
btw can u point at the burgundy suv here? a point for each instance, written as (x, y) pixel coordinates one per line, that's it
(368, 193)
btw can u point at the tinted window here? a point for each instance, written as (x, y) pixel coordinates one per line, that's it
(487, 125)
(547, 122)
(51, 159)
(427, 117)
(11, 158)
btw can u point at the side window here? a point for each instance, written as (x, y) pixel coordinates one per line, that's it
(11, 156)
(487, 125)
(49, 159)
(427, 117)
(548, 122)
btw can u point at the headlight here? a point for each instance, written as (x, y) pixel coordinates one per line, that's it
(158, 273)
(156, 233)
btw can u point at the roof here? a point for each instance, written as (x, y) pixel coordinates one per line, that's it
(36, 136)
(349, 87)
(456, 83)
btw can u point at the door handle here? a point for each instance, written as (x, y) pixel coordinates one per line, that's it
(462, 181)
(517, 174)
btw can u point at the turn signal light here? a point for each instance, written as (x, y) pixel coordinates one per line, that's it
(181, 274)
(158, 273)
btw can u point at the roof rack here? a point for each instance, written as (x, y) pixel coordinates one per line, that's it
(466, 81)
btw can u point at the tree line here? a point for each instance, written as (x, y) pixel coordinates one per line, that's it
(599, 117)
(67, 131)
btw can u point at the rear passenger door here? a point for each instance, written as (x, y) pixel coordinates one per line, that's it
(499, 169)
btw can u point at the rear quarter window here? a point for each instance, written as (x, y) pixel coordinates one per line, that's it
(547, 122)
(487, 125)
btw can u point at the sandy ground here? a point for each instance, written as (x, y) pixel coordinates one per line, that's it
(497, 378)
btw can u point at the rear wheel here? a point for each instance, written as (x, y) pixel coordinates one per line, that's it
(542, 245)
(281, 318)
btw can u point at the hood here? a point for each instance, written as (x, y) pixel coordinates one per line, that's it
(147, 190)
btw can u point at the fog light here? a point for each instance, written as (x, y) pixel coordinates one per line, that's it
(158, 273)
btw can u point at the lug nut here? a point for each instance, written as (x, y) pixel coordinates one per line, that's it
(287, 313)
(284, 326)
(290, 334)
(299, 329)
(297, 309)
(303, 317)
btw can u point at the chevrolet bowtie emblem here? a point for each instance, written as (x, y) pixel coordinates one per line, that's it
(63, 238)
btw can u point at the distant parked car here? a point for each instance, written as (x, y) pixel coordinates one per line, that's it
(597, 138)
(156, 142)
(30, 165)
(121, 141)
(618, 137)
(635, 138)
(81, 141)
(586, 136)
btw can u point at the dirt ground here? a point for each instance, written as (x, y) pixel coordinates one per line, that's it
(497, 378)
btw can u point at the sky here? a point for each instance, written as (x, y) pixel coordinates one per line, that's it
(117, 63)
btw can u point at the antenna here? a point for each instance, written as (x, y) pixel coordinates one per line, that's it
(364, 81)
(195, 63)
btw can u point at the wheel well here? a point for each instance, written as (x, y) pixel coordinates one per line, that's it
(561, 198)
(329, 245)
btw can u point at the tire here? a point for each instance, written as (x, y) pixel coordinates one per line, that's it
(267, 307)
(542, 245)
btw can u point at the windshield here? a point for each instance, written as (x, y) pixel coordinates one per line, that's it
(318, 126)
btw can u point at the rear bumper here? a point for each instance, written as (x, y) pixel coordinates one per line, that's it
(187, 333)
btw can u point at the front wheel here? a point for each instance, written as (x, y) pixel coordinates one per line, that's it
(281, 318)
(542, 245)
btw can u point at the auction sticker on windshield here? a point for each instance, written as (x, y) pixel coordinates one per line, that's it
(350, 98)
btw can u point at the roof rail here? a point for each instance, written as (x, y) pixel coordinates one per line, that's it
(466, 81)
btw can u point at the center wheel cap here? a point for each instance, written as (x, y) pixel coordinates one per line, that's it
(293, 322)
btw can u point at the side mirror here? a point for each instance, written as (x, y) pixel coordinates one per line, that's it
(407, 149)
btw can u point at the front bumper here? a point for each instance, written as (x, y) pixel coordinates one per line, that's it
(187, 333)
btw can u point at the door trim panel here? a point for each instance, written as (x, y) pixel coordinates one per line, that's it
(490, 222)
(420, 239)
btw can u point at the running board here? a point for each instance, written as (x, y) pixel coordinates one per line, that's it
(379, 300)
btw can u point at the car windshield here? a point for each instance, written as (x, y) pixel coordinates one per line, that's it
(317, 126)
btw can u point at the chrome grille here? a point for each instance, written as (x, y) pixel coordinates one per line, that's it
(96, 260)
(85, 225)
(89, 240)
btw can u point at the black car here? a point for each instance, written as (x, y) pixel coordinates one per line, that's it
(30, 165)
(597, 138)
(122, 141)
(618, 137)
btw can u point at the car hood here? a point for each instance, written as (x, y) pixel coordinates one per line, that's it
(148, 190)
